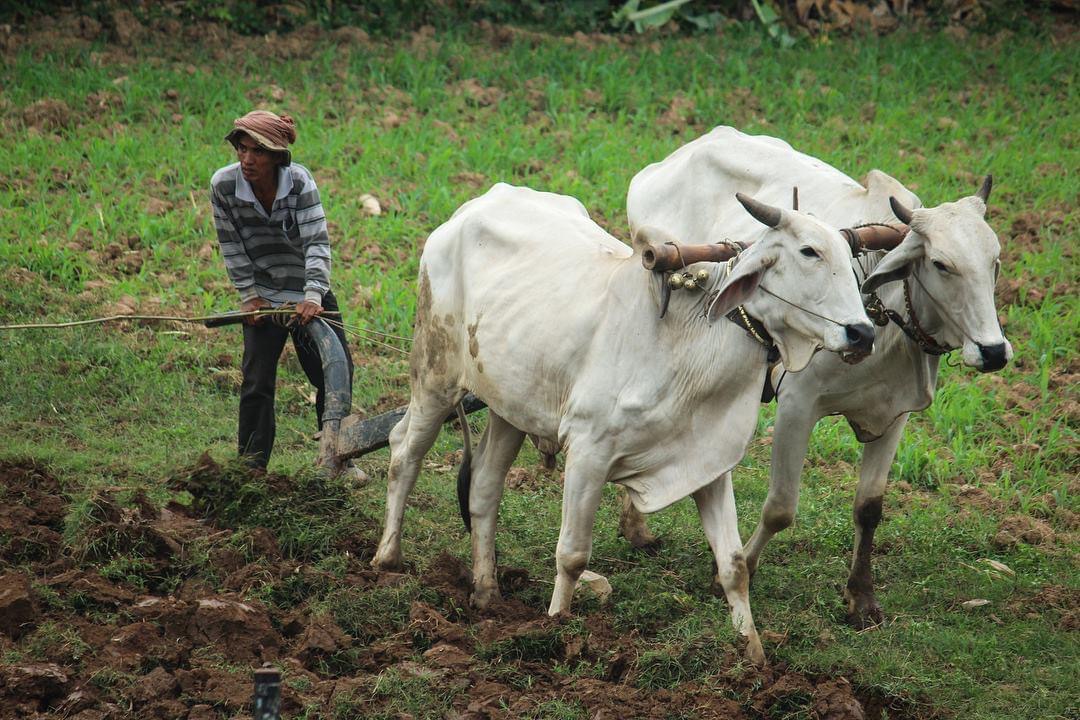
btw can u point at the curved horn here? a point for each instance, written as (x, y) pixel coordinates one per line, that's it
(764, 214)
(900, 211)
(984, 191)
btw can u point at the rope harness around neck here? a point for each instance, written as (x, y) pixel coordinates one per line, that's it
(881, 316)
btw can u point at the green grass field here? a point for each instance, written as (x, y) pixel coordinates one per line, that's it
(105, 162)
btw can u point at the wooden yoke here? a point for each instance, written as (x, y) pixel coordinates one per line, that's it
(672, 256)
(661, 257)
(868, 238)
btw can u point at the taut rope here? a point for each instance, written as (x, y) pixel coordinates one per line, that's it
(331, 318)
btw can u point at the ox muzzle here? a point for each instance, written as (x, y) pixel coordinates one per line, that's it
(994, 357)
(860, 337)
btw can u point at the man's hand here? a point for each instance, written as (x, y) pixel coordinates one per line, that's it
(307, 310)
(251, 306)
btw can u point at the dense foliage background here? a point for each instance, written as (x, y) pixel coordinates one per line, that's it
(563, 16)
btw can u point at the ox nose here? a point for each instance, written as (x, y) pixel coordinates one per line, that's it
(861, 336)
(993, 357)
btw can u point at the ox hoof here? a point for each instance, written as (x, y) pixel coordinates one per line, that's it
(483, 598)
(863, 611)
(643, 539)
(754, 652)
(633, 527)
(387, 561)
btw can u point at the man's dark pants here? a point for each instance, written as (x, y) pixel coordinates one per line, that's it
(263, 344)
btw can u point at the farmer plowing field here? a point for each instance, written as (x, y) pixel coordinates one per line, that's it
(272, 232)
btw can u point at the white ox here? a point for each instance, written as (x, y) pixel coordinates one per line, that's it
(555, 324)
(948, 262)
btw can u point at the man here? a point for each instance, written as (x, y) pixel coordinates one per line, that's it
(272, 233)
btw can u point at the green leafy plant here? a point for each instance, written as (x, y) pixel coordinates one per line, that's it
(772, 22)
(631, 14)
(644, 19)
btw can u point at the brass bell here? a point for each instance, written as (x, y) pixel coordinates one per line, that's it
(702, 276)
(676, 281)
(689, 283)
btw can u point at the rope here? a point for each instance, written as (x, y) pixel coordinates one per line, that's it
(362, 333)
(927, 341)
(765, 290)
(330, 318)
(173, 318)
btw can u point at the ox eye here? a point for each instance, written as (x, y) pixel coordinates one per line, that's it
(941, 267)
(809, 252)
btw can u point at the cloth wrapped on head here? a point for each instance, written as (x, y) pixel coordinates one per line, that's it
(270, 131)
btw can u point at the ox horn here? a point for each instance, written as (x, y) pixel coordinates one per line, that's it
(765, 214)
(984, 191)
(900, 210)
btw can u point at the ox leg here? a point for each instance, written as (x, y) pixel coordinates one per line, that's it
(410, 440)
(863, 610)
(496, 452)
(632, 524)
(791, 436)
(582, 491)
(716, 506)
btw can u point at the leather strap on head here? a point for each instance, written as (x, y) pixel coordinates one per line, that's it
(881, 316)
(755, 329)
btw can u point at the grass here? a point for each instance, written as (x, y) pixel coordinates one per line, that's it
(108, 199)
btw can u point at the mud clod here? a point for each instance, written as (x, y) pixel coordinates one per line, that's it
(18, 608)
(1016, 529)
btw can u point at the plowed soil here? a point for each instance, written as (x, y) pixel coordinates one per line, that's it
(169, 642)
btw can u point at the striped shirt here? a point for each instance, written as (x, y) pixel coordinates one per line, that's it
(283, 257)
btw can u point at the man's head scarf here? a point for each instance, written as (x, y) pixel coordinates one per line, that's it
(270, 131)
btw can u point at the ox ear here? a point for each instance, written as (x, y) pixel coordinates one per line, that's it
(897, 263)
(740, 284)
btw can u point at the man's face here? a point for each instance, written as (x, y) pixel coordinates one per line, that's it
(258, 164)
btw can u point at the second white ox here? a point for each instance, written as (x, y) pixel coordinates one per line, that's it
(948, 263)
(555, 324)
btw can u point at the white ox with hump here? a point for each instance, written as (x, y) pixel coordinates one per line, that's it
(555, 325)
(948, 263)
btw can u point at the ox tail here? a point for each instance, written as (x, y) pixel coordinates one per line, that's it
(464, 478)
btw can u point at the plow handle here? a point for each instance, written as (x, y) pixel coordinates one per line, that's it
(235, 318)
(222, 320)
